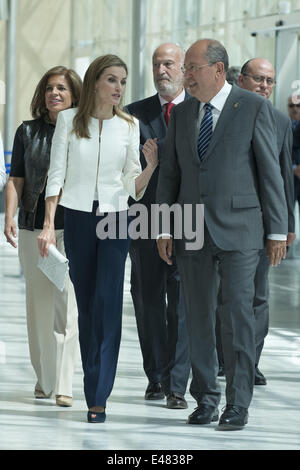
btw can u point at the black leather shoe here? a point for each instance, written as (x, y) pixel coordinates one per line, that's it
(204, 414)
(233, 418)
(260, 379)
(176, 401)
(154, 392)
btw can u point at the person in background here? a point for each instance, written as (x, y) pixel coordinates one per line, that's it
(294, 114)
(258, 76)
(94, 168)
(293, 108)
(155, 286)
(51, 314)
(2, 166)
(232, 74)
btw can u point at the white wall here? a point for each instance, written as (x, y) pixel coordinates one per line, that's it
(52, 32)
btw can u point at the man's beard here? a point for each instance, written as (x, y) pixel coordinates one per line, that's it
(167, 88)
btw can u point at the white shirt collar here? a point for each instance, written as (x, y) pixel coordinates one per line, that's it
(177, 100)
(219, 100)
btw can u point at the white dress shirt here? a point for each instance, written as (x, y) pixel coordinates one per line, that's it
(79, 165)
(177, 100)
(218, 103)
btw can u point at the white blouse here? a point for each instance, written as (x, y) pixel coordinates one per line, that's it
(79, 165)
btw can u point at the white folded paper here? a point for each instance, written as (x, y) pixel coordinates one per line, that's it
(55, 267)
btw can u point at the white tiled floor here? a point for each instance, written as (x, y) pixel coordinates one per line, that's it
(132, 423)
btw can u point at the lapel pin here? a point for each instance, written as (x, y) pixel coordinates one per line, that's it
(235, 105)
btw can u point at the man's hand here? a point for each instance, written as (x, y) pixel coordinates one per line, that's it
(290, 238)
(164, 246)
(276, 250)
(296, 171)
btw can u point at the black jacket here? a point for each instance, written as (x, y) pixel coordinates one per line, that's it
(37, 137)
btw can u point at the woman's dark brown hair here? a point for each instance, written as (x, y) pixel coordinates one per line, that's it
(38, 105)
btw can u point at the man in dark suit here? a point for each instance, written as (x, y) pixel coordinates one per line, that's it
(161, 326)
(221, 151)
(258, 75)
(294, 113)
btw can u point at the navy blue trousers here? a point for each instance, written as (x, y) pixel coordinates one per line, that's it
(97, 272)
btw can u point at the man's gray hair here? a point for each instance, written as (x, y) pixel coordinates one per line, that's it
(216, 52)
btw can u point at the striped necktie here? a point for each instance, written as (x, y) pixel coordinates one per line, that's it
(206, 130)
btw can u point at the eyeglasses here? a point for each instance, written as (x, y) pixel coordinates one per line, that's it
(260, 79)
(193, 68)
(292, 105)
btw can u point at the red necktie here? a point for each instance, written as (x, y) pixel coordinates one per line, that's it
(169, 107)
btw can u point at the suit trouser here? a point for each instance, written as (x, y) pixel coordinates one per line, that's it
(161, 325)
(97, 271)
(261, 302)
(260, 307)
(51, 320)
(199, 276)
(297, 190)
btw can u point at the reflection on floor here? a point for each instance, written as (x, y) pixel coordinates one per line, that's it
(132, 423)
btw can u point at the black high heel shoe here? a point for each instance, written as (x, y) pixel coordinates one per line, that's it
(96, 416)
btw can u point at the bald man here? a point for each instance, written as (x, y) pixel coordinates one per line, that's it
(293, 107)
(294, 113)
(161, 325)
(258, 76)
(229, 129)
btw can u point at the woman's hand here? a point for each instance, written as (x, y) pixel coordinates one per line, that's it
(13, 194)
(10, 230)
(47, 235)
(45, 239)
(150, 152)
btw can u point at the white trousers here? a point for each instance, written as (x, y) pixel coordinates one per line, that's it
(52, 322)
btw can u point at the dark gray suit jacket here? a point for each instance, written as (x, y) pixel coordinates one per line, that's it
(152, 125)
(239, 181)
(285, 145)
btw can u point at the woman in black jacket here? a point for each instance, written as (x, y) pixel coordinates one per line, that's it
(51, 314)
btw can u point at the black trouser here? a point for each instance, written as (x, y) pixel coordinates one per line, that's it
(161, 325)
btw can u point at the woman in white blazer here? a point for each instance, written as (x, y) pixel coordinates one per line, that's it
(95, 164)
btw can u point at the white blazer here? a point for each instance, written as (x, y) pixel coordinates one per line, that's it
(84, 167)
